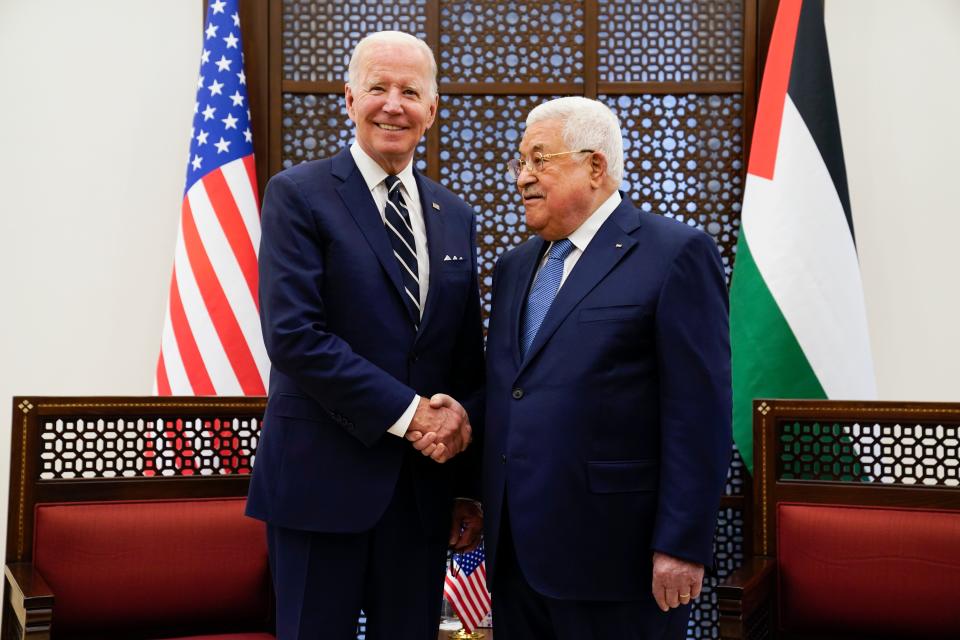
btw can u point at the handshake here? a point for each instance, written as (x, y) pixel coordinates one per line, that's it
(440, 428)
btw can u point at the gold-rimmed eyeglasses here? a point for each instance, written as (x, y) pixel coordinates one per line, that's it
(535, 164)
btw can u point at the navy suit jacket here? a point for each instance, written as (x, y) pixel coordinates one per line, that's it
(612, 437)
(345, 358)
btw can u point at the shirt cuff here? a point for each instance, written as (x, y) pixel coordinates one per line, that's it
(400, 427)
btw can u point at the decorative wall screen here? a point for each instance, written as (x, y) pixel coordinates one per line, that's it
(680, 74)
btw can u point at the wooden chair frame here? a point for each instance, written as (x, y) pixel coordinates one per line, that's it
(28, 600)
(748, 598)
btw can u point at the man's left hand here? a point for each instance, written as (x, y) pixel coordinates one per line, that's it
(675, 582)
(467, 526)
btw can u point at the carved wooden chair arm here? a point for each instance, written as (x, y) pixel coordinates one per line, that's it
(747, 600)
(30, 599)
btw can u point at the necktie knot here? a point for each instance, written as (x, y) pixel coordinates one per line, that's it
(391, 182)
(560, 249)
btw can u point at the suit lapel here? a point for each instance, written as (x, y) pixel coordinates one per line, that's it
(435, 224)
(608, 247)
(527, 267)
(359, 202)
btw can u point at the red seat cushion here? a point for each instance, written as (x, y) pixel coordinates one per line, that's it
(871, 570)
(156, 565)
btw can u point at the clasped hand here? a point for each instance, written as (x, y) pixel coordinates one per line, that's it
(440, 428)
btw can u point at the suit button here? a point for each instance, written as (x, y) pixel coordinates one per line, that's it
(414, 357)
(503, 458)
(517, 393)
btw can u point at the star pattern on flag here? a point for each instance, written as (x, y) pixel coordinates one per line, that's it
(470, 561)
(221, 122)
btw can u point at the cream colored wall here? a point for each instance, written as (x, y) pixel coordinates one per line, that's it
(895, 71)
(96, 102)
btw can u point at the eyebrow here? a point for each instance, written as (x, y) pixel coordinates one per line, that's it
(376, 79)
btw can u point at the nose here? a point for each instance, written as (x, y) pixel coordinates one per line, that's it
(393, 102)
(525, 178)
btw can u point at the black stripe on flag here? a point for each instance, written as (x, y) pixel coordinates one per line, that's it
(811, 90)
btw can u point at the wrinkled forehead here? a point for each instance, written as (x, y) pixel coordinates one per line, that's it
(401, 62)
(545, 136)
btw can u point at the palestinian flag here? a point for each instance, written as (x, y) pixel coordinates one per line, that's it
(798, 321)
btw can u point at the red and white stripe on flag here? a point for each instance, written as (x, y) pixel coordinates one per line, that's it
(211, 342)
(468, 596)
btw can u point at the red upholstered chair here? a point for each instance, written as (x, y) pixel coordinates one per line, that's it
(145, 556)
(854, 559)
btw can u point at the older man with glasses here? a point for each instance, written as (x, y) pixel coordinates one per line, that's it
(608, 398)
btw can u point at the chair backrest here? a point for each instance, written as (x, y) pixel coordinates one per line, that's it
(132, 510)
(860, 505)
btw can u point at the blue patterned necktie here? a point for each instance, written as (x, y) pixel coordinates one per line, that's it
(544, 290)
(397, 219)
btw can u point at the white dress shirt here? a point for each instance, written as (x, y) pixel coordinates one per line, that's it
(374, 175)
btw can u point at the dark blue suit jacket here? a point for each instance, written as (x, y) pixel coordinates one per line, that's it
(612, 437)
(346, 361)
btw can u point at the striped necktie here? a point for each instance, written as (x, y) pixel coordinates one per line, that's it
(397, 219)
(544, 290)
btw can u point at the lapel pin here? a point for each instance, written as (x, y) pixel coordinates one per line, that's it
(619, 245)
(436, 206)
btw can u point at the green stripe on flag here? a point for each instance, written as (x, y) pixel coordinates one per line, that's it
(767, 359)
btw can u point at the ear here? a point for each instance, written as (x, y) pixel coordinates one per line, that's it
(598, 169)
(434, 105)
(348, 96)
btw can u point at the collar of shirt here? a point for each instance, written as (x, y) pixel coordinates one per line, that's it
(585, 232)
(374, 175)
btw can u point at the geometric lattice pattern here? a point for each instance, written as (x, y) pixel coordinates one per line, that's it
(313, 126)
(894, 453)
(318, 37)
(737, 476)
(145, 447)
(670, 41)
(494, 41)
(317, 126)
(729, 553)
(480, 134)
(683, 158)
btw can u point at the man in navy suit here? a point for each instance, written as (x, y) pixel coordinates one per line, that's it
(607, 432)
(369, 305)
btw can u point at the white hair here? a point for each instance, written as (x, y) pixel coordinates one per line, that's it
(587, 124)
(396, 38)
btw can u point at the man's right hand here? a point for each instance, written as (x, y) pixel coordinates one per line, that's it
(440, 428)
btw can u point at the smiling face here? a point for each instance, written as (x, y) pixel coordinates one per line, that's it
(558, 199)
(391, 104)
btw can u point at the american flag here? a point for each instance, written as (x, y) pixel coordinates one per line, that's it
(211, 343)
(466, 588)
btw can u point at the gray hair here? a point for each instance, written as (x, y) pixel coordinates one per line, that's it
(391, 37)
(587, 124)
